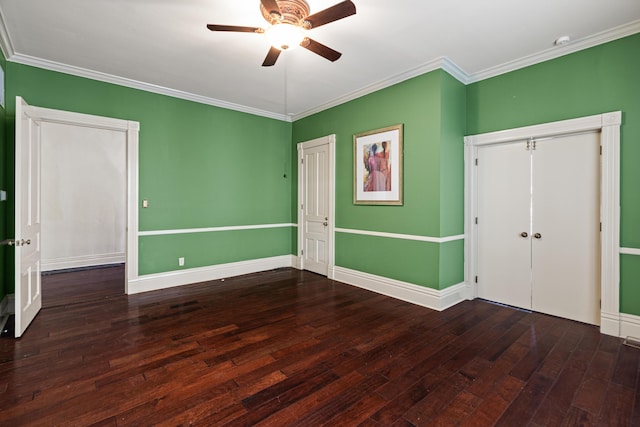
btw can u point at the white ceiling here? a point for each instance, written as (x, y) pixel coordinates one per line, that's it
(164, 45)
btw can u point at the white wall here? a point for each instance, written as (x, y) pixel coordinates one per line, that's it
(83, 196)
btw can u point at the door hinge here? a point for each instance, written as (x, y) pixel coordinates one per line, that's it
(476, 279)
(601, 150)
(16, 243)
(302, 252)
(476, 220)
(302, 161)
(302, 206)
(476, 161)
(600, 226)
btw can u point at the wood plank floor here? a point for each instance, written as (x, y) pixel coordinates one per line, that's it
(287, 347)
(73, 286)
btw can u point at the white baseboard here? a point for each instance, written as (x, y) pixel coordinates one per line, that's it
(431, 298)
(83, 261)
(630, 326)
(8, 305)
(153, 282)
(426, 297)
(610, 323)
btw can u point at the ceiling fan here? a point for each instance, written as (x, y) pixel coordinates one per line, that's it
(289, 21)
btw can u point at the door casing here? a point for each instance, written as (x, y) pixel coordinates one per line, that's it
(131, 130)
(330, 141)
(609, 126)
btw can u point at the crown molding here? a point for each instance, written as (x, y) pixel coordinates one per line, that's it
(457, 72)
(558, 51)
(5, 41)
(442, 63)
(135, 84)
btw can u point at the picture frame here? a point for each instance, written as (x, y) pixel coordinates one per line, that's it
(377, 166)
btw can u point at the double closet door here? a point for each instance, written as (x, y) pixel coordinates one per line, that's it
(539, 225)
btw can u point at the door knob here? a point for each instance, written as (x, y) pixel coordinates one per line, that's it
(524, 234)
(538, 236)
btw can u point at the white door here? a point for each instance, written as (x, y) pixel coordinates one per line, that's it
(538, 225)
(28, 296)
(504, 224)
(566, 227)
(316, 205)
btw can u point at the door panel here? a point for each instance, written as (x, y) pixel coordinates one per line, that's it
(566, 205)
(504, 197)
(316, 209)
(28, 300)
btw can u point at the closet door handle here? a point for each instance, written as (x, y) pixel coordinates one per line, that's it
(524, 234)
(538, 236)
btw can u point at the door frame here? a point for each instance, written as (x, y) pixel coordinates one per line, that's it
(131, 130)
(329, 140)
(608, 124)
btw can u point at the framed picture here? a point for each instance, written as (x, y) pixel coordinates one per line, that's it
(378, 167)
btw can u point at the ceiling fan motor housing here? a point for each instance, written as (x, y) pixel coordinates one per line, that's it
(289, 20)
(292, 12)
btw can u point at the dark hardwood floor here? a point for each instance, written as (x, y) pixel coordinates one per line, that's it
(73, 286)
(286, 347)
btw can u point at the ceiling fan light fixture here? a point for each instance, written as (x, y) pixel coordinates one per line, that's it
(284, 36)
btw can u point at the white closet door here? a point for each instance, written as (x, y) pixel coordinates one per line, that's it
(504, 200)
(566, 205)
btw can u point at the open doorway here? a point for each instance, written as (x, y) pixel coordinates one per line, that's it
(83, 204)
(28, 241)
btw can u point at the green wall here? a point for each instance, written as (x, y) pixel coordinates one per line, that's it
(431, 108)
(436, 111)
(593, 81)
(200, 166)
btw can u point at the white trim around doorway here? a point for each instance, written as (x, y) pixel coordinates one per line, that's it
(331, 141)
(608, 124)
(131, 128)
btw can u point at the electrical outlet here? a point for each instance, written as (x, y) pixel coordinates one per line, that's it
(181, 261)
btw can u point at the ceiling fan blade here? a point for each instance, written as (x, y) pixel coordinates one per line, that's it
(320, 49)
(271, 6)
(235, 28)
(333, 13)
(272, 57)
